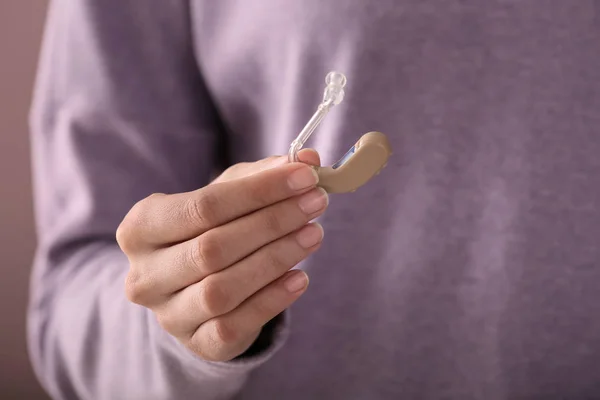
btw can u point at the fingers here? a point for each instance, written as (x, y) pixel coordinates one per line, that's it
(213, 264)
(227, 244)
(241, 170)
(161, 220)
(307, 156)
(225, 337)
(223, 291)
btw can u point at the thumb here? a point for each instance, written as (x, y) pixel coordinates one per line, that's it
(307, 156)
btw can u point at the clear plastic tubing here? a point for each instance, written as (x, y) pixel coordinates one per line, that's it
(332, 96)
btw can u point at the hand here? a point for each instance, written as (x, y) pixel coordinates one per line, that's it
(214, 264)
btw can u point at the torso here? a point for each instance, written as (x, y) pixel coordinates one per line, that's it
(470, 267)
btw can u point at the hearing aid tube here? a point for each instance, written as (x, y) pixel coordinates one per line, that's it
(363, 161)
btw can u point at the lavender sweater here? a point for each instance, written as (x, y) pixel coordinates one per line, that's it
(469, 269)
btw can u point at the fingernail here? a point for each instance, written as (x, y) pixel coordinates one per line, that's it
(310, 235)
(303, 178)
(313, 201)
(296, 282)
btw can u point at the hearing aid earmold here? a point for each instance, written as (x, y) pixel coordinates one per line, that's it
(363, 161)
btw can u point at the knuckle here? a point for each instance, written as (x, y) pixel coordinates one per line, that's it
(135, 289)
(202, 209)
(256, 192)
(123, 236)
(202, 346)
(142, 209)
(212, 298)
(272, 221)
(167, 322)
(221, 333)
(260, 275)
(273, 258)
(128, 230)
(195, 345)
(208, 252)
(266, 309)
(196, 257)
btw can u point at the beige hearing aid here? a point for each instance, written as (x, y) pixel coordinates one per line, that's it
(363, 161)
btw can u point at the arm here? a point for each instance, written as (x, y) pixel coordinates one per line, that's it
(119, 112)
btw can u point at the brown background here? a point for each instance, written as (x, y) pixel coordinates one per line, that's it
(21, 25)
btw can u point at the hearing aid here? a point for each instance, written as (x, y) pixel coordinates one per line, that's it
(365, 159)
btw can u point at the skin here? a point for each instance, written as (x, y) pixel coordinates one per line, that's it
(214, 264)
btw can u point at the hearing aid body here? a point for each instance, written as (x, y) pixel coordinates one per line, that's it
(362, 162)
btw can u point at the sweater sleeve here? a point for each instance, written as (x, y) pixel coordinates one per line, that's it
(120, 111)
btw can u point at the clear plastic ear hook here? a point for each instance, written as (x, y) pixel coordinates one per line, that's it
(332, 96)
(363, 161)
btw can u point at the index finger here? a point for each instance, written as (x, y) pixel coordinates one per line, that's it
(162, 220)
(307, 156)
